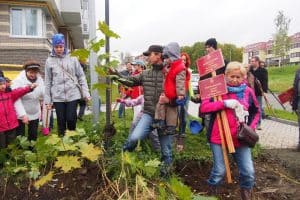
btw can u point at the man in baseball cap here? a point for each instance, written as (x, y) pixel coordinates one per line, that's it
(153, 48)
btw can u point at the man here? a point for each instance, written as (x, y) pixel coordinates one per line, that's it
(152, 82)
(260, 84)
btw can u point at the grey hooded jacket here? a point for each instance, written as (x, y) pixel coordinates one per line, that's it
(59, 87)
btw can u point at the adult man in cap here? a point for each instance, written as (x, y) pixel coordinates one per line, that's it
(152, 82)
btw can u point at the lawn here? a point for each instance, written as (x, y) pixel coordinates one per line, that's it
(280, 79)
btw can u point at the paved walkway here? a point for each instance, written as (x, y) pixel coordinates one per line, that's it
(274, 135)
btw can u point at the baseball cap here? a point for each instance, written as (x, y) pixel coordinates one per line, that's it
(138, 62)
(153, 48)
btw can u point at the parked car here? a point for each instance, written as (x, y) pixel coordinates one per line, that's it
(194, 83)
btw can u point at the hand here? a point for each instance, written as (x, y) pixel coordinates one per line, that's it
(120, 100)
(113, 77)
(48, 106)
(33, 85)
(180, 97)
(87, 99)
(25, 119)
(112, 71)
(231, 103)
(163, 99)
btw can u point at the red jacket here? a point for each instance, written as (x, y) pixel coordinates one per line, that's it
(187, 79)
(170, 82)
(8, 116)
(136, 90)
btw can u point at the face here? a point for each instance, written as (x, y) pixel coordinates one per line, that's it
(209, 49)
(183, 57)
(129, 67)
(59, 49)
(254, 63)
(2, 86)
(155, 58)
(31, 74)
(234, 77)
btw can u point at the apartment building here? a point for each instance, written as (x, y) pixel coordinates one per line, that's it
(264, 51)
(26, 28)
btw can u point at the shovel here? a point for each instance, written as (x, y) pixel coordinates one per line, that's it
(46, 130)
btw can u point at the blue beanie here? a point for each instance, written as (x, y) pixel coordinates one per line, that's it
(58, 39)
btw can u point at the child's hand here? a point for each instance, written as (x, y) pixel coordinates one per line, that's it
(25, 119)
(120, 100)
(163, 99)
(48, 106)
(180, 97)
(231, 103)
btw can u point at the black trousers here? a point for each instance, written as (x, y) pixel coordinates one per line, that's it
(32, 129)
(82, 106)
(66, 115)
(7, 137)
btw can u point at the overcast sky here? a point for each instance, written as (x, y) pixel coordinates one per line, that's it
(141, 23)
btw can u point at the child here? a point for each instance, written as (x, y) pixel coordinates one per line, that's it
(28, 107)
(8, 117)
(239, 94)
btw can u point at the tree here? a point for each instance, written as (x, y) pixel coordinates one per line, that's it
(281, 39)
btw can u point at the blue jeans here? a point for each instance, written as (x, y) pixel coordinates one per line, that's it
(242, 157)
(142, 129)
(262, 112)
(121, 110)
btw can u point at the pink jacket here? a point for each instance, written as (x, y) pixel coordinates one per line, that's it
(8, 116)
(250, 104)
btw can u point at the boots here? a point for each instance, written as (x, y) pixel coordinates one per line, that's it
(246, 194)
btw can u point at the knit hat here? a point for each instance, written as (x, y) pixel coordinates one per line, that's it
(211, 42)
(58, 39)
(2, 80)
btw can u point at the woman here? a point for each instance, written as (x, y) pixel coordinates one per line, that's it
(65, 84)
(296, 101)
(239, 94)
(28, 107)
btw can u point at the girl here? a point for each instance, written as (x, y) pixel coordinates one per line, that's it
(65, 84)
(239, 94)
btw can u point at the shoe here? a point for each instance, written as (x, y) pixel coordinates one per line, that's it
(179, 143)
(246, 194)
(259, 127)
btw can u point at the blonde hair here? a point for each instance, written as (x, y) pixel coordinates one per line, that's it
(234, 66)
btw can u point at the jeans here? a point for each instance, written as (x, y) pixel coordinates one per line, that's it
(121, 110)
(183, 116)
(262, 112)
(242, 157)
(142, 129)
(32, 129)
(66, 115)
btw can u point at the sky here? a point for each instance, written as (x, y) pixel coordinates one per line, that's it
(141, 23)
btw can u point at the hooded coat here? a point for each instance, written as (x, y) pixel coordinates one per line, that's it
(29, 104)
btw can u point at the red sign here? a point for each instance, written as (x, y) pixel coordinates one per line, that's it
(212, 87)
(210, 62)
(286, 96)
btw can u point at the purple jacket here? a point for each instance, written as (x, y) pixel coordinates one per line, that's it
(250, 104)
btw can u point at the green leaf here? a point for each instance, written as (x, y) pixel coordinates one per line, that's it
(96, 46)
(101, 71)
(24, 142)
(200, 197)
(34, 173)
(43, 180)
(53, 139)
(182, 191)
(102, 26)
(81, 54)
(71, 133)
(20, 169)
(153, 163)
(66, 163)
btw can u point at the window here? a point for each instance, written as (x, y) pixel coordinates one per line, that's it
(27, 22)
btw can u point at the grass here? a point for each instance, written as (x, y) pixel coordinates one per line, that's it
(282, 114)
(280, 79)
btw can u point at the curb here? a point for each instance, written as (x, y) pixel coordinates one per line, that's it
(284, 121)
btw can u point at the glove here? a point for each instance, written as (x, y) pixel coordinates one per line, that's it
(113, 77)
(231, 103)
(240, 113)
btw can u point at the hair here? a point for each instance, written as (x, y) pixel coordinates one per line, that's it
(32, 62)
(188, 59)
(212, 42)
(234, 66)
(256, 58)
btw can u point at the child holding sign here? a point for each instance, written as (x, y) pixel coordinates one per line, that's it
(239, 95)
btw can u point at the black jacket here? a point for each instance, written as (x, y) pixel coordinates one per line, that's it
(260, 74)
(296, 90)
(152, 82)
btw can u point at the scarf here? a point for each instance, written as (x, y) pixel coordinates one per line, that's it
(238, 90)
